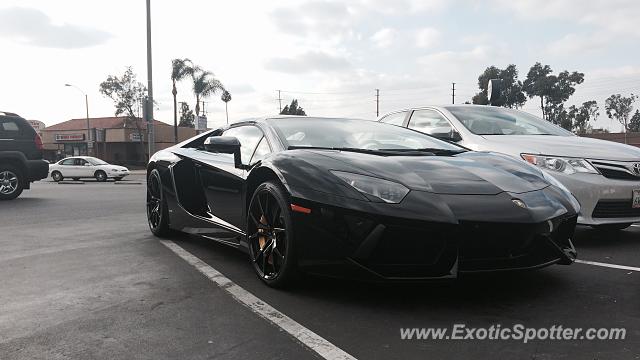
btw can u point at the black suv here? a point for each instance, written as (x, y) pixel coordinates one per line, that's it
(20, 156)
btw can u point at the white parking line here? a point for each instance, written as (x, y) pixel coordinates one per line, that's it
(613, 266)
(307, 337)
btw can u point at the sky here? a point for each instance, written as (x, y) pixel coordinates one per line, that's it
(330, 55)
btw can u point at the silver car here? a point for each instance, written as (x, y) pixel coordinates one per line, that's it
(604, 176)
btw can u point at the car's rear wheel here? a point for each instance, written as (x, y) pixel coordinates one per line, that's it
(270, 236)
(11, 185)
(100, 176)
(612, 227)
(57, 176)
(157, 210)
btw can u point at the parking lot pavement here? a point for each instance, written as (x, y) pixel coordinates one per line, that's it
(83, 278)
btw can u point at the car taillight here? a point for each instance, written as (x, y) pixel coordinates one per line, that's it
(38, 142)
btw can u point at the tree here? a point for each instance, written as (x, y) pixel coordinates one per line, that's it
(187, 117)
(226, 97)
(293, 109)
(551, 89)
(620, 107)
(634, 123)
(204, 85)
(511, 94)
(180, 69)
(583, 115)
(127, 93)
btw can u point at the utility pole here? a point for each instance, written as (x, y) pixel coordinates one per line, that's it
(280, 100)
(377, 102)
(151, 135)
(453, 93)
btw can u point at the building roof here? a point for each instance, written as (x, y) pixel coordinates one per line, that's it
(100, 123)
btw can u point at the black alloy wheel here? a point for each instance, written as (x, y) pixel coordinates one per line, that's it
(157, 211)
(270, 236)
(57, 176)
(101, 176)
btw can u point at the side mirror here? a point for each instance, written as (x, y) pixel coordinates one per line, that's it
(452, 136)
(224, 145)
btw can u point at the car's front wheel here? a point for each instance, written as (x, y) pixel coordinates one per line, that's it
(57, 176)
(10, 182)
(101, 176)
(157, 210)
(270, 236)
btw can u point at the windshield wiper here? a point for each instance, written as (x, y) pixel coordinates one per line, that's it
(387, 152)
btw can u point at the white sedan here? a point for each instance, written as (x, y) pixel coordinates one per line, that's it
(78, 167)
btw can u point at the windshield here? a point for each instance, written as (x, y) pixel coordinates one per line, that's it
(486, 120)
(354, 134)
(96, 161)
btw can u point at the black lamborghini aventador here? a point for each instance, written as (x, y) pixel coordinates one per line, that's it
(358, 199)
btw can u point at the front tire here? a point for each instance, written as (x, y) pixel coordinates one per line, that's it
(157, 210)
(11, 182)
(101, 176)
(270, 236)
(57, 176)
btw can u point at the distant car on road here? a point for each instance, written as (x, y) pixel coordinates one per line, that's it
(20, 156)
(604, 176)
(79, 167)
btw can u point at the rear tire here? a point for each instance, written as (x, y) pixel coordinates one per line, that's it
(11, 182)
(57, 176)
(101, 176)
(270, 236)
(612, 227)
(157, 209)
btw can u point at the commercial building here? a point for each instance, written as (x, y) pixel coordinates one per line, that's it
(117, 140)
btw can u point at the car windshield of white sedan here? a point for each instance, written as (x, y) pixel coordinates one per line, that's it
(486, 120)
(96, 161)
(355, 134)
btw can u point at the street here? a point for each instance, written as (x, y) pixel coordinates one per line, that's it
(82, 277)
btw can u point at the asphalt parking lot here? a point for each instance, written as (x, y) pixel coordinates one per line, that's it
(82, 277)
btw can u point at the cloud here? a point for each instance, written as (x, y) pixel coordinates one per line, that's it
(403, 6)
(427, 37)
(33, 27)
(384, 37)
(312, 18)
(311, 61)
(575, 44)
(242, 88)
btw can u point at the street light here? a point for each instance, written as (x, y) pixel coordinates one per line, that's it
(86, 103)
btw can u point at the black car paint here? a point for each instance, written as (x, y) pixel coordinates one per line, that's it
(19, 148)
(348, 235)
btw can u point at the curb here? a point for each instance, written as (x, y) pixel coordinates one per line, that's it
(71, 182)
(127, 183)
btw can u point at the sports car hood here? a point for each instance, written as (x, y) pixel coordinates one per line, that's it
(467, 173)
(569, 146)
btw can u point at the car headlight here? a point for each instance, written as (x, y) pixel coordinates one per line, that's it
(560, 164)
(385, 190)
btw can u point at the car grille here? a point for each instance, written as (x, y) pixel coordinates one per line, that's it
(616, 169)
(615, 209)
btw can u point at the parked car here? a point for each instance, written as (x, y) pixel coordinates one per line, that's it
(79, 167)
(358, 199)
(20, 156)
(604, 176)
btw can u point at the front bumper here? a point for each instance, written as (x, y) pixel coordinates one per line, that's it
(591, 189)
(376, 246)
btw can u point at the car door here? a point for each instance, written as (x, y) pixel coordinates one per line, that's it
(67, 167)
(223, 183)
(83, 168)
(433, 123)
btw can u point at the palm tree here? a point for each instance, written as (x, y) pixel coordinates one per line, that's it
(180, 69)
(226, 97)
(204, 85)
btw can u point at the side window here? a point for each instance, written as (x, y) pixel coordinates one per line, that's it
(81, 162)
(430, 122)
(395, 119)
(262, 150)
(9, 129)
(68, 162)
(249, 136)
